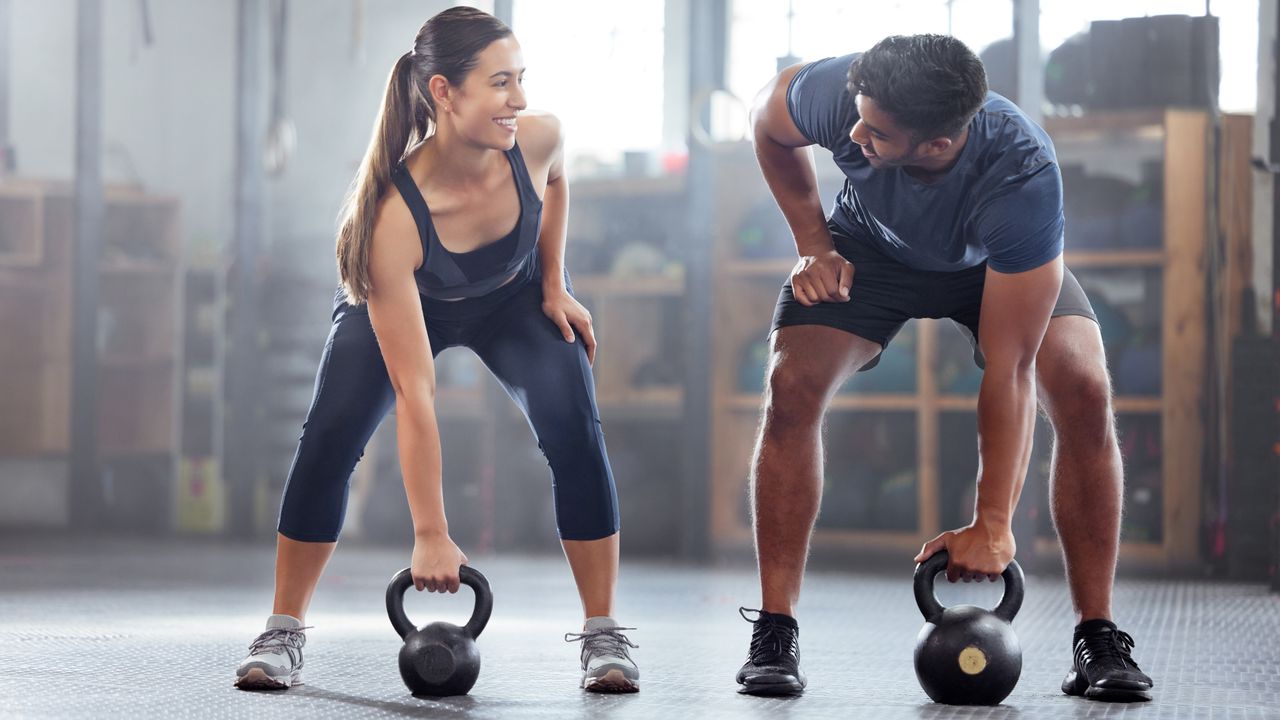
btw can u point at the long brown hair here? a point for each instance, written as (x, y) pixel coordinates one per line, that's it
(447, 45)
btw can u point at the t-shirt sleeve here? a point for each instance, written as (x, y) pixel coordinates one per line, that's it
(820, 103)
(1022, 226)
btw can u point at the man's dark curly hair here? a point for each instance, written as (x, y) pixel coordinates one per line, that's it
(931, 85)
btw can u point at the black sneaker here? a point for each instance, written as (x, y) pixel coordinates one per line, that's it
(1103, 668)
(773, 663)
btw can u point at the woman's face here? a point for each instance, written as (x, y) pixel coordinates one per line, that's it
(483, 109)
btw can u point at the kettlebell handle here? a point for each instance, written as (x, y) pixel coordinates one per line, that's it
(927, 601)
(469, 576)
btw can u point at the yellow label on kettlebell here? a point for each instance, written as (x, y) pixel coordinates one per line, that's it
(972, 660)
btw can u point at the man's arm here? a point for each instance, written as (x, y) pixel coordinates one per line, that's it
(787, 165)
(1016, 308)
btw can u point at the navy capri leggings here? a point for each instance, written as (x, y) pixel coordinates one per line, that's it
(548, 378)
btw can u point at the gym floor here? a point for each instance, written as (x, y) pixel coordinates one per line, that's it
(127, 629)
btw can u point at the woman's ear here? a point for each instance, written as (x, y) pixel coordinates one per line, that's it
(439, 89)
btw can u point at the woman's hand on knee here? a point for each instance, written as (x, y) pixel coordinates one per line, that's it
(569, 315)
(435, 563)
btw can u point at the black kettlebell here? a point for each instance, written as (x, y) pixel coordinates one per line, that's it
(441, 658)
(966, 655)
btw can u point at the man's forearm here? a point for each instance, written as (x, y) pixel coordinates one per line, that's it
(1006, 422)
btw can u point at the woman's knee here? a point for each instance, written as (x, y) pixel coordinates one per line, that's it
(591, 530)
(586, 502)
(315, 494)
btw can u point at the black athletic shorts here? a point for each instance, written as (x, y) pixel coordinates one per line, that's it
(886, 294)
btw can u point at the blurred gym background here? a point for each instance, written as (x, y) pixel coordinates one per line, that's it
(171, 171)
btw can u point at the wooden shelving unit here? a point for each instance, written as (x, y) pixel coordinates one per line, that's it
(624, 259)
(908, 481)
(22, 234)
(139, 327)
(1180, 144)
(630, 304)
(139, 344)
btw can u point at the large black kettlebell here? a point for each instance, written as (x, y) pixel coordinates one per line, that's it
(441, 658)
(966, 655)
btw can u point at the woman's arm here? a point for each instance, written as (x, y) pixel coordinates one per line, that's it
(545, 140)
(395, 311)
(555, 203)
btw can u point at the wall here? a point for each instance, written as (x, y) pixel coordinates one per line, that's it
(335, 88)
(169, 109)
(166, 115)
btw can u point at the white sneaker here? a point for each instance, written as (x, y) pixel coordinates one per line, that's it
(606, 661)
(275, 657)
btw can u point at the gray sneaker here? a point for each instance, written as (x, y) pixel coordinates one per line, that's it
(607, 666)
(275, 657)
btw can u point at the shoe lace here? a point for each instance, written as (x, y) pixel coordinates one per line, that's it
(770, 639)
(603, 641)
(1115, 644)
(287, 640)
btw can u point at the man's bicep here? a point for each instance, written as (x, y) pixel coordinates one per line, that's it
(1016, 308)
(771, 116)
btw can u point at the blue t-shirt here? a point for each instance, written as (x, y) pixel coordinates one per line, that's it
(1000, 202)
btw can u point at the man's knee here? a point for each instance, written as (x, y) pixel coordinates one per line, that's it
(793, 396)
(1077, 399)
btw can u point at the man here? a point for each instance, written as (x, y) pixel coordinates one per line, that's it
(952, 208)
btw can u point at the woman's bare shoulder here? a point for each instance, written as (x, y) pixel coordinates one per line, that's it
(540, 135)
(395, 234)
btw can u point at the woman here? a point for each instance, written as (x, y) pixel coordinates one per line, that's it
(453, 234)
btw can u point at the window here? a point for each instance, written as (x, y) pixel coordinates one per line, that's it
(761, 32)
(598, 67)
(814, 29)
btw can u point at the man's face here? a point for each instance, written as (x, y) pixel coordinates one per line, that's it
(883, 143)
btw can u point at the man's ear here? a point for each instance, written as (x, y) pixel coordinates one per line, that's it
(937, 146)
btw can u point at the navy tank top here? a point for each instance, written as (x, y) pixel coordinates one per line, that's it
(450, 275)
